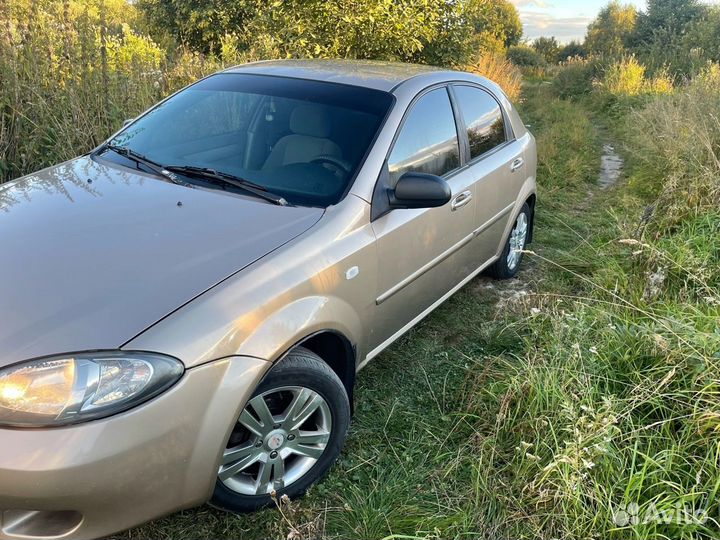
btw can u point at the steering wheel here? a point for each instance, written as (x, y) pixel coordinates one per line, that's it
(341, 164)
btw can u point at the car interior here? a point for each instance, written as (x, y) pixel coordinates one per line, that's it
(306, 151)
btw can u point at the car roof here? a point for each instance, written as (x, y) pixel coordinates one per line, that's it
(385, 76)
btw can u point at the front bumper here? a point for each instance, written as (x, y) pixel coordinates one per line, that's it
(93, 479)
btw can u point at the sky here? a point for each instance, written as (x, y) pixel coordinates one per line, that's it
(564, 19)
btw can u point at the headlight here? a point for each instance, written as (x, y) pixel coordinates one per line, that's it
(76, 388)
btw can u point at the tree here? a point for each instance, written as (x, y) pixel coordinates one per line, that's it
(665, 18)
(574, 49)
(524, 56)
(610, 33)
(199, 24)
(469, 28)
(548, 48)
(659, 38)
(497, 20)
(430, 31)
(701, 41)
(377, 29)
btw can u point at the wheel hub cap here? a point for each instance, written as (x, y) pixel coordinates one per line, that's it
(275, 440)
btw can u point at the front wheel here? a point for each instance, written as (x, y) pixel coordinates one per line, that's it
(508, 265)
(287, 437)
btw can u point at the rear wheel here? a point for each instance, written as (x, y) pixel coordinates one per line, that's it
(508, 265)
(287, 437)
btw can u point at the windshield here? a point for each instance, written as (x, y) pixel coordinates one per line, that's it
(302, 140)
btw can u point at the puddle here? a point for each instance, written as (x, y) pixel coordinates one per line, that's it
(611, 167)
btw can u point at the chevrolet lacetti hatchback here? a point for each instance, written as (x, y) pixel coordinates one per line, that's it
(183, 310)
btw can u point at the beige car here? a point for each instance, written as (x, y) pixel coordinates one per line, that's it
(184, 309)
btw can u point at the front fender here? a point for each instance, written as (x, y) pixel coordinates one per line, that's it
(294, 322)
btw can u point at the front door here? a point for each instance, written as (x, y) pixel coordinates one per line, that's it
(423, 254)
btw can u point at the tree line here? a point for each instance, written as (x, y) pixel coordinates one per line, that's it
(442, 32)
(680, 36)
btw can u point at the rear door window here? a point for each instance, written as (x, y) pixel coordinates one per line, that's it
(484, 119)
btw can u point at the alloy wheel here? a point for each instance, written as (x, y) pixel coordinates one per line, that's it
(518, 239)
(278, 438)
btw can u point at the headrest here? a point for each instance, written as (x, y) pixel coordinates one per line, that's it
(311, 120)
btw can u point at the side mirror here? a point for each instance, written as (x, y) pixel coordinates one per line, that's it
(127, 122)
(419, 190)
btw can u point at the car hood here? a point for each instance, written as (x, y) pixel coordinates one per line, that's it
(91, 255)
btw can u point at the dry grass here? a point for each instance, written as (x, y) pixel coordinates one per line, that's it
(676, 138)
(499, 69)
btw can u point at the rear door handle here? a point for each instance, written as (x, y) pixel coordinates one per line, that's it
(517, 164)
(462, 200)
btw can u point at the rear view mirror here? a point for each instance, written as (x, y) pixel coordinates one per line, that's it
(419, 190)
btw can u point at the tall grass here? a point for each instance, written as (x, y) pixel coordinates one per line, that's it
(676, 141)
(609, 424)
(499, 69)
(68, 79)
(624, 80)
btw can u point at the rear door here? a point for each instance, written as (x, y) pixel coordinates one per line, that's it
(495, 168)
(423, 254)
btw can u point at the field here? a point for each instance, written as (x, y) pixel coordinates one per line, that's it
(577, 401)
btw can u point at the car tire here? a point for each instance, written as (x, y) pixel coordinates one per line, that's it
(301, 381)
(508, 265)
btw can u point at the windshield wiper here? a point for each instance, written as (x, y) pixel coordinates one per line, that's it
(132, 155)
(201, 172)
(231, 180)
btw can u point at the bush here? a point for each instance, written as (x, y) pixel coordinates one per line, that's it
(624, 85)
(571, 51)
(626, 77)
(575, 78)
(524, 56)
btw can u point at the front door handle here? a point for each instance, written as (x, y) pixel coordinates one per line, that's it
(517, 164)
(461, 200)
